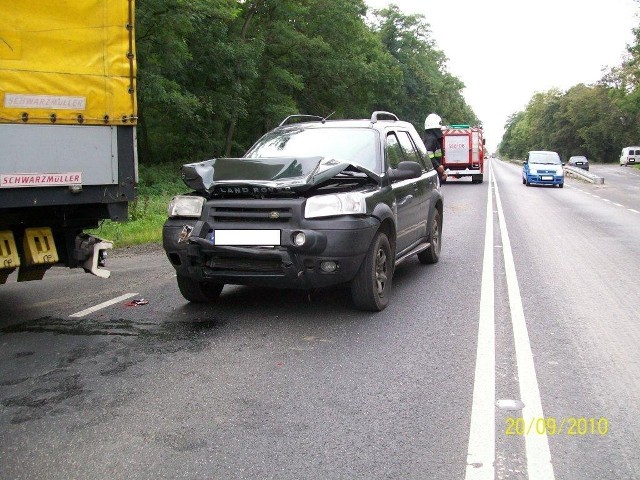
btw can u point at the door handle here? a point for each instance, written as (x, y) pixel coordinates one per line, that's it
(405, 200)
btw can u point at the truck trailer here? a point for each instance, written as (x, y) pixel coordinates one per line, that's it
(68, 115)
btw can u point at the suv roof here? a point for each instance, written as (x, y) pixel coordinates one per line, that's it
(375, 117)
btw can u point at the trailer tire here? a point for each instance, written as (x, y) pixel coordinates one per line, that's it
(477, 178)
(199, 292)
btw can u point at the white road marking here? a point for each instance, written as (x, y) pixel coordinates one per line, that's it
(539, 466)
(482, 451)
(102, 305)
(617, 204)
(632, 210)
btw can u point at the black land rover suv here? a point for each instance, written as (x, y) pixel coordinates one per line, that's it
(313, 203)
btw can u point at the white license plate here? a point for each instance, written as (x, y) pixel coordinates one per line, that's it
(546, 177)
(260, 238)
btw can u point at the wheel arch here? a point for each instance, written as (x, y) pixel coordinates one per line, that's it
(387, 224)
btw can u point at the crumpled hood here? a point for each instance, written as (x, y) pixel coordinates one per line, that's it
(285, 173)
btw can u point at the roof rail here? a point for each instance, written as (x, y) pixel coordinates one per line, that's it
(307, 118)
(375, 116)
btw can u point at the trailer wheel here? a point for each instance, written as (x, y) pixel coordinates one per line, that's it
(477, 178)
(432, 254)
(199, 292)
(371, 286)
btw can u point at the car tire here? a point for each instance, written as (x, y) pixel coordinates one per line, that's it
(524, 181)
(561, 185)
(432, 254)
(371, 286)
(199, 292)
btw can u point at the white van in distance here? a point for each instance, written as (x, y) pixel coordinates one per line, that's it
(630, 156)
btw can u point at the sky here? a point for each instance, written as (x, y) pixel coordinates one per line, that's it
(505, 51)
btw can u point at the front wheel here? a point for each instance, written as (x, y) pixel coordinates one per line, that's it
(199, 292)
(432, 254)
(371, 286)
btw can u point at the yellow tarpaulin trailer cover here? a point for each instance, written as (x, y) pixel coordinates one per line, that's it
(67, 62)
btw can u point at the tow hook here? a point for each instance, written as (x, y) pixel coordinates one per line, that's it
(92, 252)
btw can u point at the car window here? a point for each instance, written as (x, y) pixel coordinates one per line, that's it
(546, 158)
(393, 150)
(422, 153)
(409, 149)
(353, 145)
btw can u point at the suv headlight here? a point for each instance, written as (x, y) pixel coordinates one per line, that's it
(337, 204)
(185, 206)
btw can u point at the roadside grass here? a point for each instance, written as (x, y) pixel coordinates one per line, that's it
(157, 185)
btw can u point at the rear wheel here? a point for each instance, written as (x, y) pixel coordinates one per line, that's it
(199, 292)
(561, 185)
(432, 254)
(477, 178)
(371, 286)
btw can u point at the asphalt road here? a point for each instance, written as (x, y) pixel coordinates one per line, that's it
(534, 301)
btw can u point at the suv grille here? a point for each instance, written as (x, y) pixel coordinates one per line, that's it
(267, 265)
(253, 214)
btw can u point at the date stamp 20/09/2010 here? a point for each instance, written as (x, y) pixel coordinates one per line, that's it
(574, 426)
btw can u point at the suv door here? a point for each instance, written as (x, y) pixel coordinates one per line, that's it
(406, 196)
(422, 186)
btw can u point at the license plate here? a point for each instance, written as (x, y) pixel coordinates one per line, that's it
(546, 177)
(246, 237)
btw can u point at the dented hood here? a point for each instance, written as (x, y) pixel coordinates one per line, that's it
(285, 173)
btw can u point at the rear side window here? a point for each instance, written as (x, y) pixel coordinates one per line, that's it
(635, 152)
(410, 152)
(393, 150)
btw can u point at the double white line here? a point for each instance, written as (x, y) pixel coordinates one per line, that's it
(482, 452)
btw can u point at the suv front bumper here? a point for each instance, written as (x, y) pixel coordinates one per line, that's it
(342, 240)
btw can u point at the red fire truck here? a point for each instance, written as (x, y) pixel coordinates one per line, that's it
(463, 152)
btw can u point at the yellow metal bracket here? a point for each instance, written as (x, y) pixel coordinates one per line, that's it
(39, 253)
(9, 258)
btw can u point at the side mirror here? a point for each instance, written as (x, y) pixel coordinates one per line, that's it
(405, 171)
(525, 162)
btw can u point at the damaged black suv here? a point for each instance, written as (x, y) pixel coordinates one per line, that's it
(313, 203)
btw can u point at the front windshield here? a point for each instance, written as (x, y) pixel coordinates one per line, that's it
(544, 158)
(352, 145)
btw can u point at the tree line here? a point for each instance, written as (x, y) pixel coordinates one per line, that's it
(214, 75)
(594, 120)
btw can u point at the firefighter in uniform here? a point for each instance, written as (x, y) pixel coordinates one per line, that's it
(432, 139)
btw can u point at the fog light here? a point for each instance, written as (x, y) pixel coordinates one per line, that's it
(328, 266)
(299, 239)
